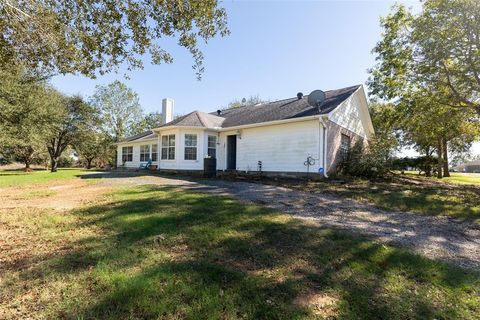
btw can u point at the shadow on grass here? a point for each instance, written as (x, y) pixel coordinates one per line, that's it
(166, 253)
(458, 201)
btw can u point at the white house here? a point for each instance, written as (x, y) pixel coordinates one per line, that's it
(292, 135)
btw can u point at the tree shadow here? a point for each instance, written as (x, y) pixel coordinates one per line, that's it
(166, 253)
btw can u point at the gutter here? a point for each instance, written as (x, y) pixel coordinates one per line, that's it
(269, 123)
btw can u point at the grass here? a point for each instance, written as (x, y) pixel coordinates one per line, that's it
(455, 178)
(150, 252)
(403, 193)
(20, 178)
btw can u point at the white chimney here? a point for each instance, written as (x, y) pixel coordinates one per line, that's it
(167, 110)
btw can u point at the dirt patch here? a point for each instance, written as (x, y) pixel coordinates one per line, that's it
(69, 195)
(321, 304)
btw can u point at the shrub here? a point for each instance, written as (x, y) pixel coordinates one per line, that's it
(371, 162)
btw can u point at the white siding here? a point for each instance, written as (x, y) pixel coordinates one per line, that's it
(349, 115)
(136, 152)
(183, 164)
(281, 148)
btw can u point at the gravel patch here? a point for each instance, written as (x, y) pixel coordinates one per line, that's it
(442, 238)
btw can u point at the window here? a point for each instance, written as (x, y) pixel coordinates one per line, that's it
(154, 152)
(190, 147)
(168, 147)
(145, 152)
(127, 154)
(344, 144)
(212, 146)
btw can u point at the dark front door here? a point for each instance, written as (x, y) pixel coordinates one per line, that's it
(232, 152)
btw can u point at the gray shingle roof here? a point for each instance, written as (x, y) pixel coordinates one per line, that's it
(144, 135)
(196, 119)
(277, 110)
(284, 109)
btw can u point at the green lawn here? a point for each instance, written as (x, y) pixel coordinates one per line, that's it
(21, 178)
(157, 253)
(455, 178)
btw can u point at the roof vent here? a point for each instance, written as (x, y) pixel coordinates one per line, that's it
(300, 96)
(219, 112)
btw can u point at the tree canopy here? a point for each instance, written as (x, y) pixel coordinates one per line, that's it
(252, 100)
(119, 108)
(427, 67)
(437, 50)
(98, 35)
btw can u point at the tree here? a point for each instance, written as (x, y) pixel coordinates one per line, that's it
(446, 38)
(386, 121)
(418, 70)
(119, 107)
(73, 118)
(437, 50)
(24, 117)
(97, 36)
(89, 147)
(147, 122)
(252, 100)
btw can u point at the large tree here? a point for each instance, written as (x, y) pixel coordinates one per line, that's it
(446, 42)
(148, 121)
(437, 50)
(119, 109)
(73, 119)
(414, 71)
(24, 116)
(98, 35)
(89, 147)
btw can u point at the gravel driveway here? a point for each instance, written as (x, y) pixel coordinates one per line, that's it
(440, 238)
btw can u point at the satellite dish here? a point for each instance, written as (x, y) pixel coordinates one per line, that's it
(316, 98)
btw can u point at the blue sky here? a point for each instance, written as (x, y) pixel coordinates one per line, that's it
(276, 49)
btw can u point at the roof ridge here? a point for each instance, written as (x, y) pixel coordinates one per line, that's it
(276, 101)
(200, 118)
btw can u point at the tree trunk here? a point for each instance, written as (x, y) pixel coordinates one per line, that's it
(89, 163)
(439, 156)
(446, 172)
(54, 164)
(27, 164)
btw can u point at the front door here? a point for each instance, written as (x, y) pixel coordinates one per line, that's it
(232, 152)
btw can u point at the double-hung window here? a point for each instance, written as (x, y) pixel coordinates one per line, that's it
(144, 153)
(212, 146)
(127, 154)
(168, 147)
(190, 147)
(344, 144)
(154, 152)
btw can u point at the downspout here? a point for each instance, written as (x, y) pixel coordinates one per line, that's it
(159, 150)
(324, 147)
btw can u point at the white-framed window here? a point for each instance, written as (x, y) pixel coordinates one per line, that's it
(344, 144)
(168, 147)
(154, 152)
(145, 152)
(127, 154)
(212, 146)
(190, 146)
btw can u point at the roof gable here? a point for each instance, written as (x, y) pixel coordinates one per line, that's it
(353, 114)
(196, 119)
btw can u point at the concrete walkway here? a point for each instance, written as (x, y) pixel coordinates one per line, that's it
(441, 238)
